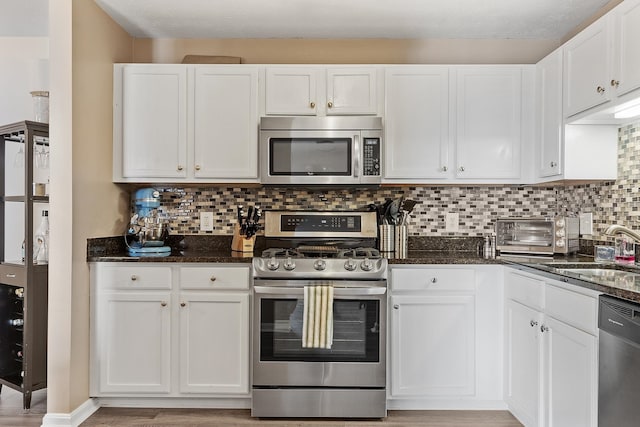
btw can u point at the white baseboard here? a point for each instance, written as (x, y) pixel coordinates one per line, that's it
(175, 402)
(445, 404)
(74, 419)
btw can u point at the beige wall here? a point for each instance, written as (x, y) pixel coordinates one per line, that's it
(360, 51)
(85, 203)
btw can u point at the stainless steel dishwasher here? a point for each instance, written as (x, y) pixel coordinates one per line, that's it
(619, 365)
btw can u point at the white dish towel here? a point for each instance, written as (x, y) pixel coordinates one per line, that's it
(317, 320)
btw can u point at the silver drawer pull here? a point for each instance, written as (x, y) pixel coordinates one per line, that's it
(533, 323)
(212, 278)
(134, 277)
(434, 280)
(396, 306)
(11, 276)
(183, 304)
(163, 303)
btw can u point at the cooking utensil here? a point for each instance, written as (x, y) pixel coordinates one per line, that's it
(394, 210)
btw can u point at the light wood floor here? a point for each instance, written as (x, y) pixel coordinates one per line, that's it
(12, 414)
(109, 417)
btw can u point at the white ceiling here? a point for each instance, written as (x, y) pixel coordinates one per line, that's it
(24, 18)
(475, 19)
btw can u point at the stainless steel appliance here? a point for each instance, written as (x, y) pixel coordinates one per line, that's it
(291, 379)
(344, 150)
(541, 236)
(619, 363)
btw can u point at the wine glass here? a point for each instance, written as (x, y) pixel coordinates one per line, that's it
(18, 160)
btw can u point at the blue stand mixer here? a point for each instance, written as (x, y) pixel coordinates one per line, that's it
(148, 229)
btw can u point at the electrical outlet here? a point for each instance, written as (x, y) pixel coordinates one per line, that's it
(206, 221)
(451, 220)
(586, 224)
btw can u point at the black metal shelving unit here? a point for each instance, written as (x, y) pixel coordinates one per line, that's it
(23, 283)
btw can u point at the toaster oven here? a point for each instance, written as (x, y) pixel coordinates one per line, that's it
(538, 236)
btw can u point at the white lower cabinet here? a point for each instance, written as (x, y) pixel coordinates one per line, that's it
(445, 335)
(169, 330)
(551, 351)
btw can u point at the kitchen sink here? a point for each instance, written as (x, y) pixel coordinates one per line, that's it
(597, 272)
(605, 276)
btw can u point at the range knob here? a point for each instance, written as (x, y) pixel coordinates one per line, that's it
(560, 243)
(273, 264)
(350, 265)
(560, 222)
(366, 264)
(289, 264)
(560, 232)
(320, 264)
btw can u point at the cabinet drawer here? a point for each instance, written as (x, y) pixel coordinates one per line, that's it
(573, 308)
(13, 275)
(432, 279)
(526, 290)
(135, 277)
(214, 277)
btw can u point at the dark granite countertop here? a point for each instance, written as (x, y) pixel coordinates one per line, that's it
(216, 249)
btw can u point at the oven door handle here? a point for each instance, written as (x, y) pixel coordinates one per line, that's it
(337, 291)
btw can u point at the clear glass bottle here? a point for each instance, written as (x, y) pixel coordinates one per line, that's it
(41, 240)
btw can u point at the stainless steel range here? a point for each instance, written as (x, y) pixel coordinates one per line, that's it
(320, 301)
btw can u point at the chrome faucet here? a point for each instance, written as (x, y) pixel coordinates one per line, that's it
(620, 229)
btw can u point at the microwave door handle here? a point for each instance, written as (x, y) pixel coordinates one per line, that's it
(356, 163)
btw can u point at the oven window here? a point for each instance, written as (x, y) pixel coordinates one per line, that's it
(310, 156)
(356, 332)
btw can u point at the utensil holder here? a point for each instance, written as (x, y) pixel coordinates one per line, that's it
(401, 240)
(387, 238)
(240, 243)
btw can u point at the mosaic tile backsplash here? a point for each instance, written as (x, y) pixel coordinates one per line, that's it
(477, 206)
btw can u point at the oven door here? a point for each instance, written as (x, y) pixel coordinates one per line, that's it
(357, 355)
(310, 157)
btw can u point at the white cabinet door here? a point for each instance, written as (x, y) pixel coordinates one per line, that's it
(226, 122)
(154, 121)
(291, 91)
(433, 346)
(587, 69)
(627, 47)
(133, 342)
(351, 91)
(523, 362)
(214, 342)
(549, 124)
(416, 122)
(488, 122)
(571, 373)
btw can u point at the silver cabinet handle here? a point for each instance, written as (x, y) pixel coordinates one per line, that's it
(134, 277)
(330, 104)
(553, 164)
(11, 276)
(180, 167)
(197, 167)
(533, 323)
(183, 304)
(600, 89)
(444, 169)
(396, 306)
(212, 278)
(312, 105)
(544, 328)
(461, 168)
(434, 279)
(163, 303)
(615, 83)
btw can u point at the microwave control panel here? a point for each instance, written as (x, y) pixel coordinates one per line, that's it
(371, 156)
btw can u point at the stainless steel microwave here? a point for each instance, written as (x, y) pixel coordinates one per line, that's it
(538, 236)
(334, 150)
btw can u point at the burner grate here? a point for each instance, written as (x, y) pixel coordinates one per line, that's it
(359, 253)
(282, 253)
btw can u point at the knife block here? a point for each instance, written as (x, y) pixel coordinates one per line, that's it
(240, 243)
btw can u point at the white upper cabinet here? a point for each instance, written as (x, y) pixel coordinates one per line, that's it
(150, 121)
(225, 122)
(320, 90)
(488, 122)
(416, 122)
(587, 67)
(177, 123)
(549, 124)
(602, 64)
(626, 68)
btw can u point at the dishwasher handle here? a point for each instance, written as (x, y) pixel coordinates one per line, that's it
(620, 318)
